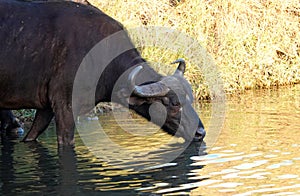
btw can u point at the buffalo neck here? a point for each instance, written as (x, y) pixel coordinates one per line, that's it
(119, 68)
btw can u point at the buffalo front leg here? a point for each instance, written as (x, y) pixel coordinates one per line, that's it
(65, 126)
(41, 121)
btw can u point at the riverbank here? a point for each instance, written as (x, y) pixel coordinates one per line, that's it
(255, 44)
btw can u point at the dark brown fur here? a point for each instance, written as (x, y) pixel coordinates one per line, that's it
(42, 46)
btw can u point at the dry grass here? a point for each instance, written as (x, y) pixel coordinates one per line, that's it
(254, 43)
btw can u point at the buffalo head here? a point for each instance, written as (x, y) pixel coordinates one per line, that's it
(167, 103)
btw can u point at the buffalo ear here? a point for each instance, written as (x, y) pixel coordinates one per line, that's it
(136, 101)
(125, 98)
(181, 67)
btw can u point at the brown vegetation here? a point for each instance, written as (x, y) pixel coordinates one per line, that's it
(254, 43)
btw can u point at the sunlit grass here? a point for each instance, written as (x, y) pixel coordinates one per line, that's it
(254, 43)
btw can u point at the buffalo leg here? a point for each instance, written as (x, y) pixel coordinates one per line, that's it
(41, 121)
(8, 120)
(65, 126)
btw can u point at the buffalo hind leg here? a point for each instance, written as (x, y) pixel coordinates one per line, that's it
(65, 126)
(41, 121)
(8, 120)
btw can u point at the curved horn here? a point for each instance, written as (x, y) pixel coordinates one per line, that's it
(181, 67)
(149, 90)
(133, 74)
(156, 89)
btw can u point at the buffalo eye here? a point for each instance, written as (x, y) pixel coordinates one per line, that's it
(174, 110)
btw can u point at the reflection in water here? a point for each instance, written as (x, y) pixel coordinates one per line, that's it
(257, 153)
(38, 167)
(128, 149)
(258, 150)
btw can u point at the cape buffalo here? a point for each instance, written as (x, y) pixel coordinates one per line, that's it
(42, 47)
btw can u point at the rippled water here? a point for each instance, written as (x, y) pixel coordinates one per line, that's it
(257, 153)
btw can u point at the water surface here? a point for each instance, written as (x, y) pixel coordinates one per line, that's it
(257, 153)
